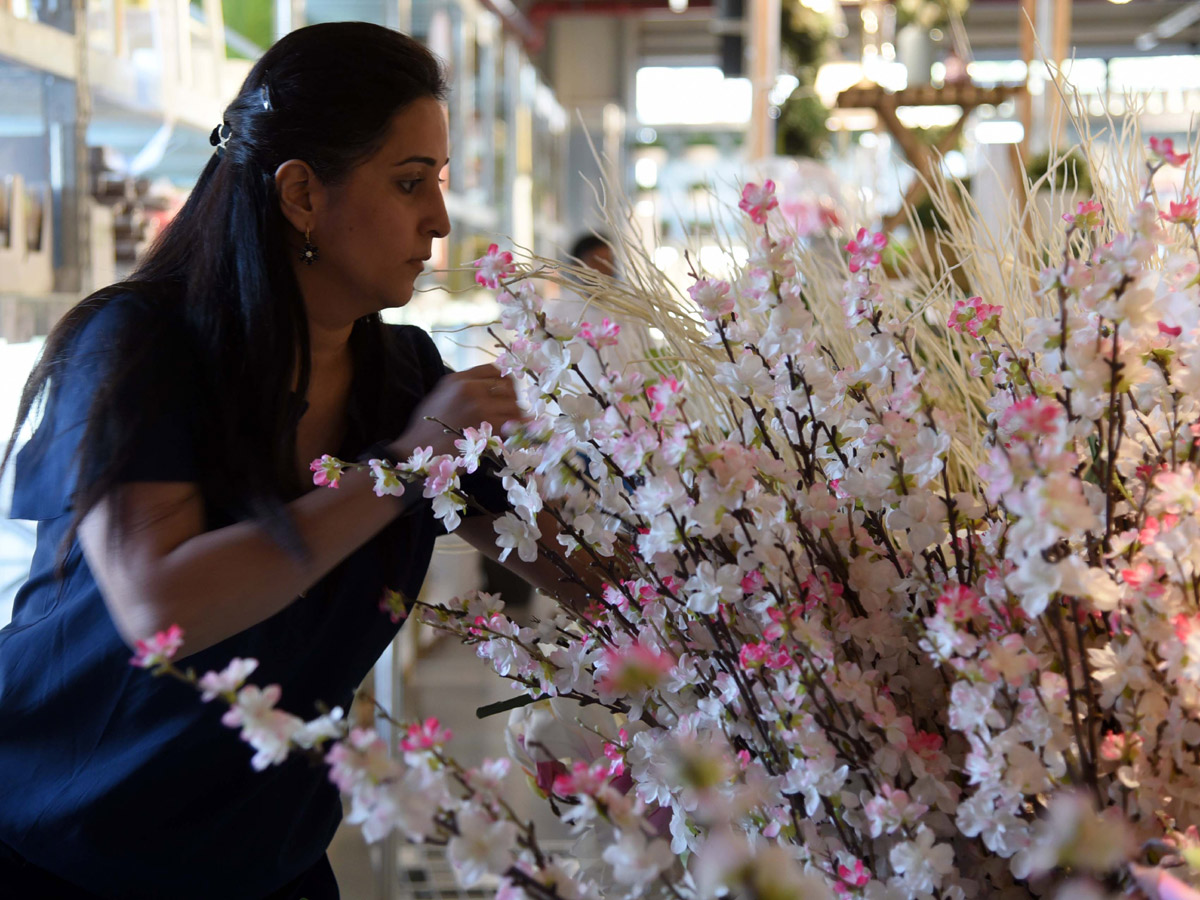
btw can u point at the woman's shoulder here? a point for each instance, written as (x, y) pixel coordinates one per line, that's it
(123, 310)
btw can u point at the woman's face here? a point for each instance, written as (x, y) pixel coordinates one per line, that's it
(375, 228)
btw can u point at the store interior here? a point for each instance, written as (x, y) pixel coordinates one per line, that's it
(664, 109)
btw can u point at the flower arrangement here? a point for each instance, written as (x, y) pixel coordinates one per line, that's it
(902, 600)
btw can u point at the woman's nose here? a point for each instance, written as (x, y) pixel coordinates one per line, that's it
(438, 222)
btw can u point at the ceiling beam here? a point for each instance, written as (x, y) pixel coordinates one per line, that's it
(1168, 27)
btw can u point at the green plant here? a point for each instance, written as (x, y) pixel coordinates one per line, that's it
(928, 13)
(804, 36)
(801, 129)
(1068, 171)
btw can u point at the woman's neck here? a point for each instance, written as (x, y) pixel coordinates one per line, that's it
(329, 344)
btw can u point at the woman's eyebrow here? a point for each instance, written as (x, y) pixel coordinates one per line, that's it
(427, 160)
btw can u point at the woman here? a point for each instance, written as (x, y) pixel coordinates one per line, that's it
(169, 474)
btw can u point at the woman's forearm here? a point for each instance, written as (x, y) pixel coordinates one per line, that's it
(216, 584)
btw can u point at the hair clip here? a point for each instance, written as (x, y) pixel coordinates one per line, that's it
(220, 138)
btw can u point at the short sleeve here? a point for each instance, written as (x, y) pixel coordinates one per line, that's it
(155, 395)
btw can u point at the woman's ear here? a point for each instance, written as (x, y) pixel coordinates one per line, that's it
(298, 187)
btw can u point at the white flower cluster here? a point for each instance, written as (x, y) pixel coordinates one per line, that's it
(835, 653)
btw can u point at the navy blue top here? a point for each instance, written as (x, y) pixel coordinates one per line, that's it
(126, 784)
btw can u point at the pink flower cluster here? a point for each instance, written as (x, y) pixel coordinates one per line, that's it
(1164, 149)
(1088, 216)
(866, 250)
(493, 266)
(975, 317)
(758, 200)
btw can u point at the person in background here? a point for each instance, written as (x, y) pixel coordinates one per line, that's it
(170, 478)
(595, 252)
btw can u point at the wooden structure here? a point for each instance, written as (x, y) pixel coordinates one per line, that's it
(924, 158)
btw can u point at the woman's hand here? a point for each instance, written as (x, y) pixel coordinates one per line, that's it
(460, 400)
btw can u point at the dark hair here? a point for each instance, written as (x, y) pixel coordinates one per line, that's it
(587, 244)
(219, 275)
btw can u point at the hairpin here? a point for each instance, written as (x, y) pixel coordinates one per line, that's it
(220, 138)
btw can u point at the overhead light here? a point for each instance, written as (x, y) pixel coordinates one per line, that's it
(645, 173)
(928, 116)
(678, 6)
(834, 77)
(997, 132)
(852, 120)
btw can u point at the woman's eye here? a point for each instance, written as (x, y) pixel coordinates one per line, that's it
(409, 185)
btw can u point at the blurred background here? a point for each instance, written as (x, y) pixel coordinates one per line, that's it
(106, 108)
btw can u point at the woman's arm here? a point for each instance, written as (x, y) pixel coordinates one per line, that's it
(156, 566)
(543, 574)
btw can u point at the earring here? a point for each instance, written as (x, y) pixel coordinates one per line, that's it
(310, 254)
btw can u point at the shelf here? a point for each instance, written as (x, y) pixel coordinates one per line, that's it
(120, 82)
(37, 46)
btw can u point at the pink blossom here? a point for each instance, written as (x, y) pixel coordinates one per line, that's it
(582, 779)
(852, 877)
(1117, 746)
(925, 744)
(866, 250)
(959, 603)
(159, 649)
(362, 753)
(633, 669)
(753, 581)
(425, 735)
(758, 200)
(976, 317)
(1170, 330)
(760, 654)
(890, 809)
(1089, 215)
(492, 266)
(712, 297)
(1164, 149)
(602, 335)
(227, 681)
(809, 217)
(615, 599)
(395, 604)
(474, 443)
(1182, 213)
(662, 396)
(616, 756)
(442, 477)
(1031, 417)
(327, 471)
(268, 730)
(548, 771)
